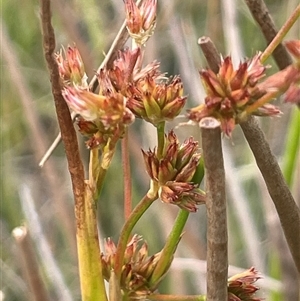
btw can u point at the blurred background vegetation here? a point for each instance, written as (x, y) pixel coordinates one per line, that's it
(41, 199)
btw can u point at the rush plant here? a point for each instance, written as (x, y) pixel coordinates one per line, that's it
(126, 88)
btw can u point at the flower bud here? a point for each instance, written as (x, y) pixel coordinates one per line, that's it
(71, 68)
(141, 21)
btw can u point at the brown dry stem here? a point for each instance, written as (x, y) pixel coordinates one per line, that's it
(262, 16)
(217, 238)
(68, 133)
(210, 52)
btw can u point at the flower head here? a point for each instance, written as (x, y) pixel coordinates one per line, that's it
(241, 286)
(156, 101)
(137, 268)
(141, 21)
(174, 171)
(71, 68)
(230, 92)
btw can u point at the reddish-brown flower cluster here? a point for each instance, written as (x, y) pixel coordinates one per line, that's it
(137, 268)
(124, 91)
(174, 171)
(241, 287)
(230, 92)
(141, 21)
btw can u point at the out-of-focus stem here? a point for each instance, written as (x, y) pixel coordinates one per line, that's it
(126, 175)
(281, 34)
(217, 240)
(30, 264)
(287, 209)
(262, 16)
(135, 215)
(167, 252)
(47, 260)
(292, 147)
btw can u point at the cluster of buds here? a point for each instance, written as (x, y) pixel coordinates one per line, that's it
(141, 21)
(173, 171)
(71, 67)
(241, 287)
(137, 268)
(230, 92)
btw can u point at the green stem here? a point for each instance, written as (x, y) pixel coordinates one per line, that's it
(90, 267)
(160, 139)
(156, 297)
(292, 148)
(169, 248)
(136, 214)
(281, 34)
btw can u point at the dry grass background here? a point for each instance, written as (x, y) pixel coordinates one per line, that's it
(41, 199)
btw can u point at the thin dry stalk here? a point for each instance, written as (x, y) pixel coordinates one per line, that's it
(30, 264)
(287, 209)
(262, 16)
(217, 238)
